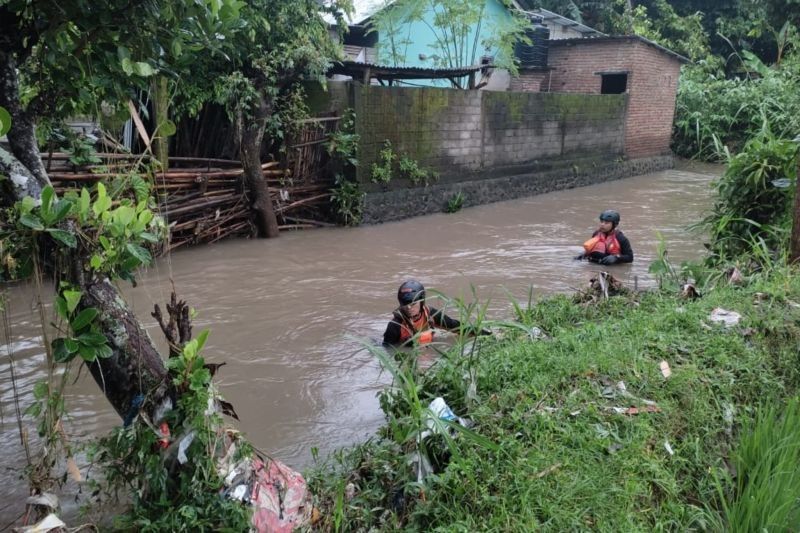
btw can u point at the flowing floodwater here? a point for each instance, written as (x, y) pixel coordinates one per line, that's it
(283, 312)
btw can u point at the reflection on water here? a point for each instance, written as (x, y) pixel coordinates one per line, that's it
(287, 314)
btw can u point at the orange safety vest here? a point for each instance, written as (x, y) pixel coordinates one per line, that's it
(421, 325)
(604, 244)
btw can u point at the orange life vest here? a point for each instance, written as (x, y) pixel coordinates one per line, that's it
(604, 244)
(422, 325)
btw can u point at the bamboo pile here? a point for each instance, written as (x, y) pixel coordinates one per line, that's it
(203, 200)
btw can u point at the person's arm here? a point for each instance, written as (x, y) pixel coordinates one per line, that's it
(392, 333)
(626, 252)
(442, 321)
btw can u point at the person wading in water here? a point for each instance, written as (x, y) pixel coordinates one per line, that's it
(414, 320)
(608, 245)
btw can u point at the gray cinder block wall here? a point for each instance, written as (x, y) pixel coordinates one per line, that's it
(488, 146)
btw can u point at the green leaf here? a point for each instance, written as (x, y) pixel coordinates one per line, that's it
(101, 205)
(87, 353)
(123, 52)
(127, 65)
(63, 236)
(71, 345)
(61, 210)
(174, 363)
(60, 352)
(167, 128)
(104, 351)
(96, 262)
(85, 203)
(149, 237)
(47, 200)
(201, 339)
(190, 350)
(61, 307)
(27, 205)
(83, 319)
(139, 253)
(176, 47)
(31, 221)
(5, 121)
(143, 69)
(41, 390)
(72, 298)
(34, 409)
(199, 379)
(92, 338)
(104, 242)
(124, 214)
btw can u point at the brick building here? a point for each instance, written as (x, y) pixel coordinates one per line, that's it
(645, 71)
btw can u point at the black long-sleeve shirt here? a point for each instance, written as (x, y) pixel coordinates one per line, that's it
(626, 251)
(393, 335)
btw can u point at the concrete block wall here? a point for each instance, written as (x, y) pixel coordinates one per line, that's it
(652, 85)
(472, 134)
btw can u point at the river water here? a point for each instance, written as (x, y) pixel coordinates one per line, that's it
(283, 312)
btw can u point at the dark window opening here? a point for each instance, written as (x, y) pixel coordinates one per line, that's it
(614, 83)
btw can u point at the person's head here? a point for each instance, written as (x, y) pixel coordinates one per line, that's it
(411, 297)
(609, 219)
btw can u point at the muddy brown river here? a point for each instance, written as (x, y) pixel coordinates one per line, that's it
(281, 311)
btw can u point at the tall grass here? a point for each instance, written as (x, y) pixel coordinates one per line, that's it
(766, 489)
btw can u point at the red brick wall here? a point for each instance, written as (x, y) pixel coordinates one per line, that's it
(652, 86)
(528, 81)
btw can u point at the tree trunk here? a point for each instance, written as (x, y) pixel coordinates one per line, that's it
(21, 137)
(136, 368)
(250, 154)
(161, 115)
(794, 249)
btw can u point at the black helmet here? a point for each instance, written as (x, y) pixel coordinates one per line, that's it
(411, 291)
(609, 215)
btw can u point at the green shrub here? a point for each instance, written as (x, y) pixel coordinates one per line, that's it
(752, 213)
(712, 110)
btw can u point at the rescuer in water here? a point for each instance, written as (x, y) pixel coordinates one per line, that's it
(608, 245)
(415, 320)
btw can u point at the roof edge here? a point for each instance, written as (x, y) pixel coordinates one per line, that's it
(620, 38)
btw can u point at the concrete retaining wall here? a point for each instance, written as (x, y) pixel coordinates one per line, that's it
(403, 203)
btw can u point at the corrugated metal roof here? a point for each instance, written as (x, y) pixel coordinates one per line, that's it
(550, 16)
(419, 73)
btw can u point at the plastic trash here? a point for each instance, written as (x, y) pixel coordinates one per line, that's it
(689, 291)
(666, 371)
(280, 497)
(725, 317)
(186, 440)
(668, 448)
(421, 465)
(45, 499)
(440, 408)
(48, 523)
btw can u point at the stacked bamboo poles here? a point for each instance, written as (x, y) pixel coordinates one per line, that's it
(204, 200)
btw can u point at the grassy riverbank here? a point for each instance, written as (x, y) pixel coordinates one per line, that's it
(562, 455)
